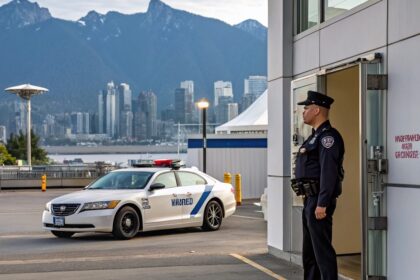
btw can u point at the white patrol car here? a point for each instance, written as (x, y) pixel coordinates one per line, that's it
(126, 201)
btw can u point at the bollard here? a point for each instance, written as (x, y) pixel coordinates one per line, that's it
(44, 183)
(238, 190)
(227, 178)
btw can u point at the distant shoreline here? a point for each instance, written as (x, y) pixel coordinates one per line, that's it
(118, 149)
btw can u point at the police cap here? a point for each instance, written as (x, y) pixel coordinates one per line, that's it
(317, 98)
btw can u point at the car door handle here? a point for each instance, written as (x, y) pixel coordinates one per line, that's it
(189, 194)
(174, 195)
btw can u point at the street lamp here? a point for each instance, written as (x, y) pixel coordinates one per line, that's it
(203, 104)
(25, 92)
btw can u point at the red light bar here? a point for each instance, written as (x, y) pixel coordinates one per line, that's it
(163, 162)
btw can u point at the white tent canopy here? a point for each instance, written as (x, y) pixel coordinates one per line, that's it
(253, 120)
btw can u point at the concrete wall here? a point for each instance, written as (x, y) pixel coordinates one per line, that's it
(251, 163)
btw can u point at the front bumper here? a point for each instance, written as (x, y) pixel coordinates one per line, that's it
(86, 221)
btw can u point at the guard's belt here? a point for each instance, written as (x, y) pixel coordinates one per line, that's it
(307, 187)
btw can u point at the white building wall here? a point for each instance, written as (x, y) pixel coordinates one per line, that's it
(278, 149)
(251, 163)
(366, 29)
(403, 111)
(403, 233)
(363, 31)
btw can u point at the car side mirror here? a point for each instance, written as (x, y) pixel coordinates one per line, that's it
(156, 186)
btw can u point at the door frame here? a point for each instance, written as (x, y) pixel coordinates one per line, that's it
(319, 79)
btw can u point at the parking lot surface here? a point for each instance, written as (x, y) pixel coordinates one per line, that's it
(237, 251)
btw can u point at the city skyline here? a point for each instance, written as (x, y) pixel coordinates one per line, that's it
(229, 11)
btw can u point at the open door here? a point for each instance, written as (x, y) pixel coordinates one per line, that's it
(374, 167)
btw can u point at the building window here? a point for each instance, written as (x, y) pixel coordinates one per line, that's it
(333, 8)
(307, 14)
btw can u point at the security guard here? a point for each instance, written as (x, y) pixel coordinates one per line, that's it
(319, 174)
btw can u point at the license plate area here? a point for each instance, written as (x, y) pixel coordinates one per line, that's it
(58, 221)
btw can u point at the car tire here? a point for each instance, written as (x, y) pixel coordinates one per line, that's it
(62, 234)
(213, 216)
(126, 223)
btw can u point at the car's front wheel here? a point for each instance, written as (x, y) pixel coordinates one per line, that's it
(62, 234)
(126, 223)
(213, 215)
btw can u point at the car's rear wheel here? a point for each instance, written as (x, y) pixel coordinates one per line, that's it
(62, 234)
(213, 215)
(126, 223)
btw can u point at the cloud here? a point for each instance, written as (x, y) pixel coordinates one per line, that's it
(230, 11)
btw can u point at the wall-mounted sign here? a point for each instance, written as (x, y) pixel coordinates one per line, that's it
(408, 146)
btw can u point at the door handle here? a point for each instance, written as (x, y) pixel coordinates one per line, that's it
(189, 194)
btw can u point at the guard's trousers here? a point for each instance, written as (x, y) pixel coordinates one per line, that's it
(318, 255)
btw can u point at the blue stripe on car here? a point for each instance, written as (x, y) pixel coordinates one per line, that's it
(202, 199)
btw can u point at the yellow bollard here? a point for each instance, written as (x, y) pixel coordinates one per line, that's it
(227, 178)
(44, 183)
(238, 190)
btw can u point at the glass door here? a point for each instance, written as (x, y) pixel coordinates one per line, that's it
(373, 168)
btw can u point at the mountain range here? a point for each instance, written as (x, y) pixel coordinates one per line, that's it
(154, 51)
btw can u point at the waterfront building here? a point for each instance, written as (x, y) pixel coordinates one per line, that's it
(146, 116)
(232, 111)
(255, 85)
(111, 110)
(222, 88)
(222, 109)
(183, 105)
(101, 111)
(3, 134)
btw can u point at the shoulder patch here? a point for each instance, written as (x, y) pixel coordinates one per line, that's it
(327, 141)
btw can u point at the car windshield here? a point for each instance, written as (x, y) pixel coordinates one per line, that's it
(126, 180)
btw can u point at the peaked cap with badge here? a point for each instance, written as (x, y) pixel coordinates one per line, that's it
(317, 98)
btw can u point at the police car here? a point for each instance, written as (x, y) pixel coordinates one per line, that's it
(130, 200)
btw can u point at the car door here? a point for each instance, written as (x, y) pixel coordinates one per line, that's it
(161, 208)
(195, 192)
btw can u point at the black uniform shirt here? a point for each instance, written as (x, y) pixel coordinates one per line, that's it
(320, 158)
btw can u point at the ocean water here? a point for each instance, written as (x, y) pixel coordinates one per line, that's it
(114, 158)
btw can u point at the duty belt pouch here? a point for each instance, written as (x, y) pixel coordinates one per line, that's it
(297, 187)
(311, 188)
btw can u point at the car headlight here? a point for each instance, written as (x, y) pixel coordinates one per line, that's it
(47, 206)
(99, 205)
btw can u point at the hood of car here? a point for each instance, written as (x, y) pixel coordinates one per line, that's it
(97, 195)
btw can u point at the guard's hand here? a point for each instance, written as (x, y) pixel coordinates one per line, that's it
(320, 212)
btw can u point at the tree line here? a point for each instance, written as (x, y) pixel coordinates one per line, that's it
(16, 148)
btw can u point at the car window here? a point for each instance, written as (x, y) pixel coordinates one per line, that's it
(168, 179)
(122, 180)
(190, 179)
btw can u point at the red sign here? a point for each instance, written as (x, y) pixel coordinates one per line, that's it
(407, 150)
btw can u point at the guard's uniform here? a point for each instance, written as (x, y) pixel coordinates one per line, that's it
(318, 165)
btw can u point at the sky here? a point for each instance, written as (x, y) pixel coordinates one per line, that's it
(230, 11)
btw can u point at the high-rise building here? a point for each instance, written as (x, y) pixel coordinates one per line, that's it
(80, 123)
(101, 112)
(3, 135)
(232, 111)
(20, 116)
(222, 109)
(222, 88)
(183, 105)
(125, 111)
(126, 127)
(126, 96)
(111, 110)
(255, 85)
(145, 122)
